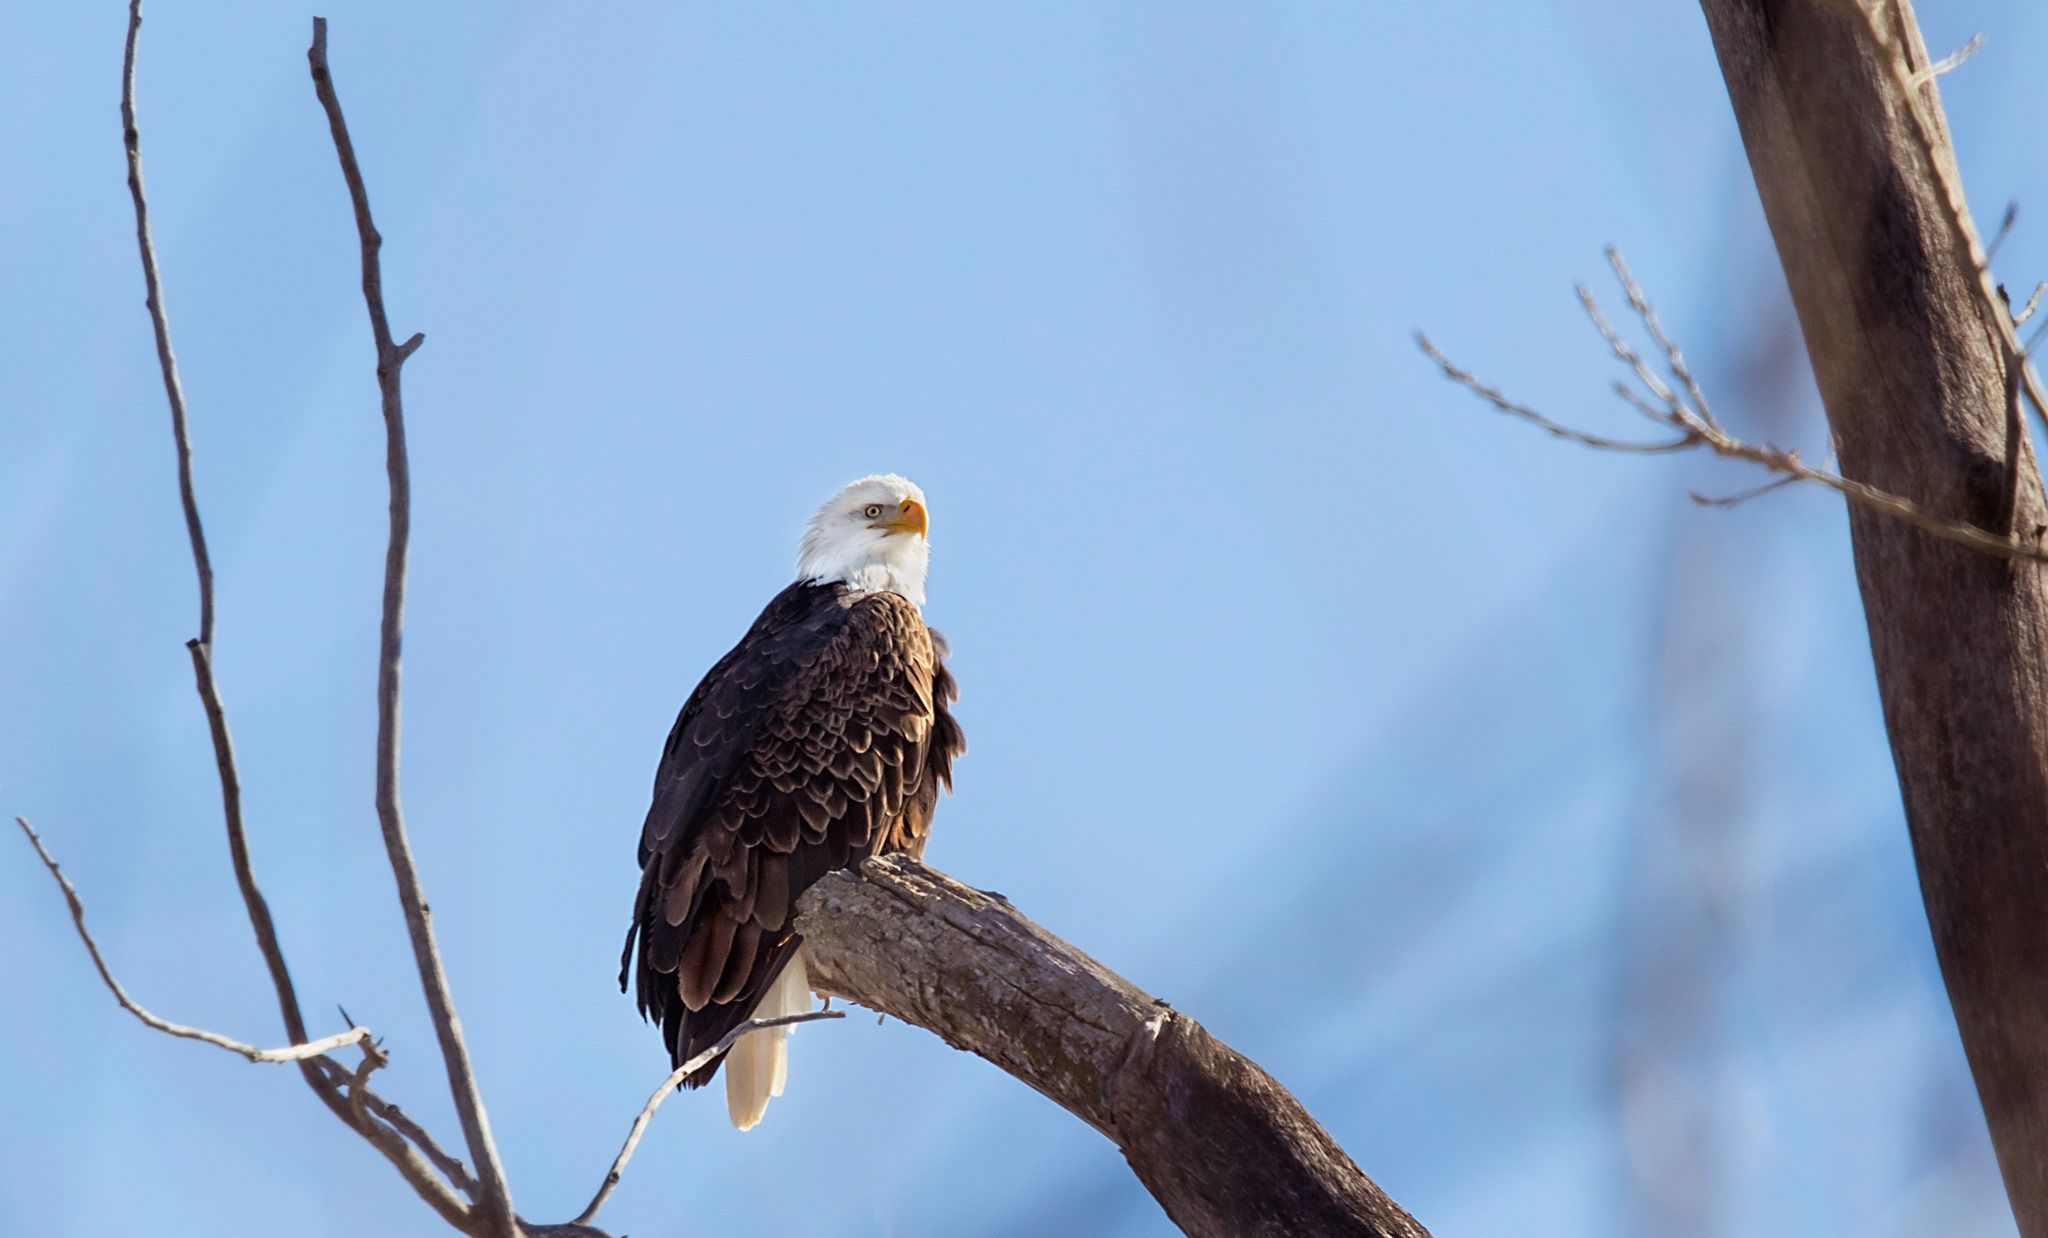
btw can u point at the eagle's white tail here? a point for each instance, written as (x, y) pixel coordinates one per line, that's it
(757, 1065)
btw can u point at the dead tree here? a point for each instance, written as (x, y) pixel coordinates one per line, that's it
(1224, 1148)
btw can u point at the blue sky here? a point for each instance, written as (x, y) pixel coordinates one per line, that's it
(1534, 825)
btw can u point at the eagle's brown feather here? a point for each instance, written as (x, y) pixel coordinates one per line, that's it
(822, 738)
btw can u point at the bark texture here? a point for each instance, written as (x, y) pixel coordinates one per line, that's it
(1863, 202)
(1224, 1148)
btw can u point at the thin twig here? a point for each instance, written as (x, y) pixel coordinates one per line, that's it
(1499, 400)
(1737, 500)
(2004, 229)
(1626, 353)
(668, 1085)
(496, 1199)
(1634, 399)
(1672, 356)
(290, 1053)
(1948, 64)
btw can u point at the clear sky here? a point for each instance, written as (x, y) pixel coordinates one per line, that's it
(1534, 825)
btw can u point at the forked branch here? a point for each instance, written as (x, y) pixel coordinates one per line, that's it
(1675, 401)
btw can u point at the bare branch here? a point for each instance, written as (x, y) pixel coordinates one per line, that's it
(1737, 500)
(1672, 356)
(2005, 223)
(167, 360)
(309, 1055)
(496, 1198)
(289, 1053)
(201, 648)
(1673, 411)
(253, 902)
(1222, 1146)
(670, 1084)
(1689, 414)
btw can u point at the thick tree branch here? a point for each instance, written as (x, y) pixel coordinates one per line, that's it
(496, 1198)
(1222, 1146)
(1912, 351)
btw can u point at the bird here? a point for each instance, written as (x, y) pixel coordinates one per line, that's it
(821, 739)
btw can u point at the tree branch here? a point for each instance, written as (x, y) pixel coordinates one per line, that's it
(289, 1053)
(309, 1055)
(1222, 1146)
(496, 1198)
(167, 361)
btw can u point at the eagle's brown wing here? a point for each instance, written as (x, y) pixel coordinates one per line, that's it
(820, 740)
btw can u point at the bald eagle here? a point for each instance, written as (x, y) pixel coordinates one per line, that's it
(820, 740)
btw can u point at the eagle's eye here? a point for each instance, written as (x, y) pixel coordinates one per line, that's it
(872, 511)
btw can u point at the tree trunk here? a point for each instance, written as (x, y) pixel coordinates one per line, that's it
(1911, 366)
(1223, 1147)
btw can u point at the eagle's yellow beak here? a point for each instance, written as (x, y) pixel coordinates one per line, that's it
(910, 518)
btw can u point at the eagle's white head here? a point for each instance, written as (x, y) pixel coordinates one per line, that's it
(871, 537)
